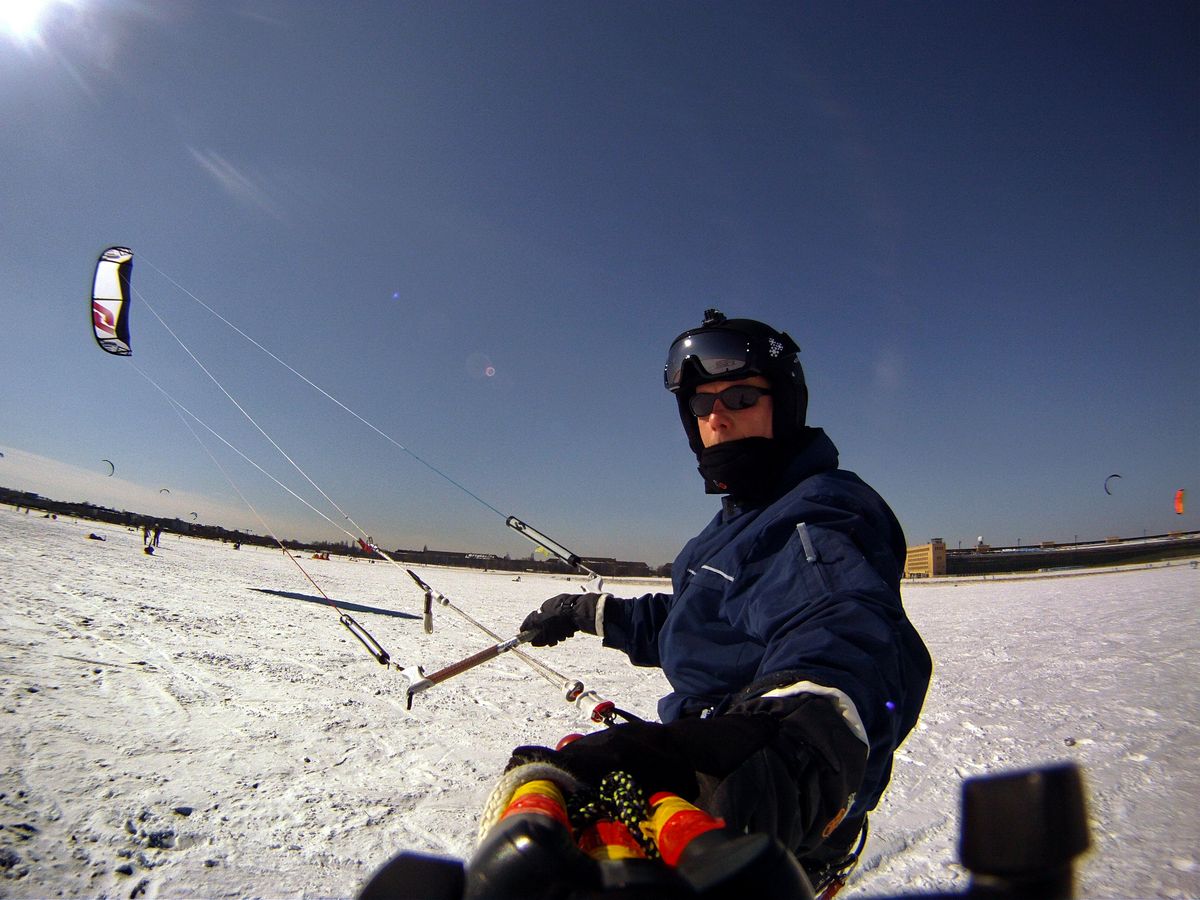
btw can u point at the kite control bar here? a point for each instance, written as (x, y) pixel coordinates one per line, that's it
(424, 682)
(590, 703)
(595, 707)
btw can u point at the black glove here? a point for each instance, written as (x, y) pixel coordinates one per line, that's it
(560, 617)
(669, 757)
(787, 766)
(800, 785)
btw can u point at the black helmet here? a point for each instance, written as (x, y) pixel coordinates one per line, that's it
(724, 349)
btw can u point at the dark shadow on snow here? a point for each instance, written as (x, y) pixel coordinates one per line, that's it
(345, 607)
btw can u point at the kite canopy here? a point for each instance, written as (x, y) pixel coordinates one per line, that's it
(111, 468)
(1179, 502)
(1106, 483)
(110, 300)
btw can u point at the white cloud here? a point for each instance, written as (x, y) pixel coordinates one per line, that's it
(241, 186)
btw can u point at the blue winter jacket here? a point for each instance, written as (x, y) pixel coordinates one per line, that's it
(808, 586)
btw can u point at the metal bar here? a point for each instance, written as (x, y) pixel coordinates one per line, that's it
(478, 659)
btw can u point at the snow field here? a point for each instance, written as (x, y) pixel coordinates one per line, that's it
(198, 723)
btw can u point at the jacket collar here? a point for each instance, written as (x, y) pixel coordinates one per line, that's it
(815, 452)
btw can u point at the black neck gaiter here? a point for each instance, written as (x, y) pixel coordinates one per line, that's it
(748, 469)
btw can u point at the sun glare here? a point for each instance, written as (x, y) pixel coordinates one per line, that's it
(21, 20)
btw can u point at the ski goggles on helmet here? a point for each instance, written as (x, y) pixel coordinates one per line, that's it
(723, 353)
(734, 397)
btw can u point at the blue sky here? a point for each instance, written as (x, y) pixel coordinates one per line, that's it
(480, 225)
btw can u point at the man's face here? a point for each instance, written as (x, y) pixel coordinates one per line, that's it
(723, 424)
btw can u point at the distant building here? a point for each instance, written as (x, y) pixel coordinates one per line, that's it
(927, 560)
(616, 568)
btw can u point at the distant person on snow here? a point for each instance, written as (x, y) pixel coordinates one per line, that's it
(795, 671)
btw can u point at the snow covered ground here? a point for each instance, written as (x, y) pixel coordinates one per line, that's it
(198, 723)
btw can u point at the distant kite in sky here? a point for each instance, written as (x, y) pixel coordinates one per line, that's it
(111, 467)
(110, 300)
(163, 491)
(1179, 502)
(1106, 481)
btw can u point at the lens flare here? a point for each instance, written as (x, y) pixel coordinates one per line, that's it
(479, 365)
(22, 20)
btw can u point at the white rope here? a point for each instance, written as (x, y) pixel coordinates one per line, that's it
(249, 418)
(502, 793)
(540, 668)
(322, 391)
(180, 407)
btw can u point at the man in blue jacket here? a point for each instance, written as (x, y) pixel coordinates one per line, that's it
(795, 673)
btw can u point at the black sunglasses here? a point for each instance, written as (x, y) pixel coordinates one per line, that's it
(738, 396)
